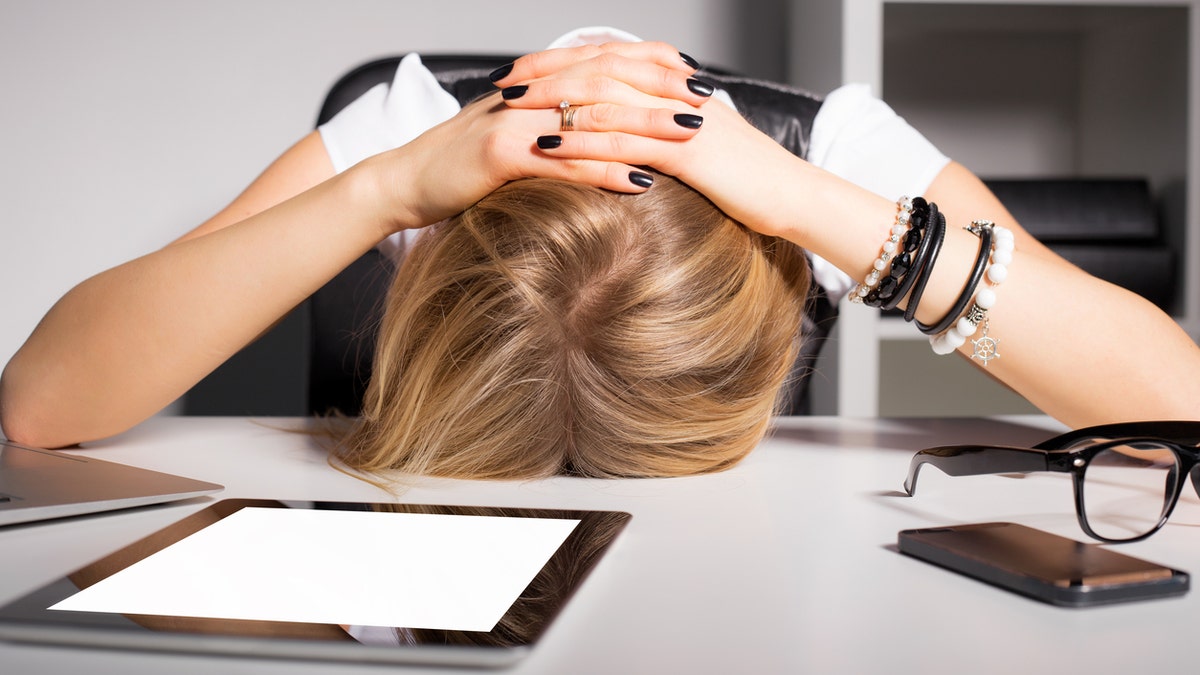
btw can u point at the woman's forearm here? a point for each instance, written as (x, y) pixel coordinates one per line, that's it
(1088, 352)
(1081, 349)
(125, 343)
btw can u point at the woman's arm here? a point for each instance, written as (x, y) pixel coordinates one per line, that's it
(123, 344)
(1081, 349)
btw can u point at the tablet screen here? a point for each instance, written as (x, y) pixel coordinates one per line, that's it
(386, 575)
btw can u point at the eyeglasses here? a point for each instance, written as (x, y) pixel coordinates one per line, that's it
(1127, 477)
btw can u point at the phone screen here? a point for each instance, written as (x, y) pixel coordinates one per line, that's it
(1043, 565)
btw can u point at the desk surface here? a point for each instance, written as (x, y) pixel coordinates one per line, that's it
(786, 563)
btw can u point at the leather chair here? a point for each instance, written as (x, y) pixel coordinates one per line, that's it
(1109, 227)
(345, 313)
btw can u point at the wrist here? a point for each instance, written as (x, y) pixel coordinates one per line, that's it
(379, 196)
(837, 220)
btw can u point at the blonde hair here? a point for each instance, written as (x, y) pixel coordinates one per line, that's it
(556, 328)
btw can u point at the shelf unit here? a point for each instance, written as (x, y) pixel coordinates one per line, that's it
(1013, 89)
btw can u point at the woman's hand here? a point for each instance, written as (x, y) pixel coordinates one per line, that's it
(741, 169)
(507, 135)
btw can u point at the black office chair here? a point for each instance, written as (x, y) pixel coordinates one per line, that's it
(346, 312)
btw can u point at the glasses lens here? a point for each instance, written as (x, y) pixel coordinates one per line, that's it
(1126, 488)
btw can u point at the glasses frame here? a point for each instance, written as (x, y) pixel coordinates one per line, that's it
(1072, 453)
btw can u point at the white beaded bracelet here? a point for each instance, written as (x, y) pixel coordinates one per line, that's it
(887, 251)
(986, 348)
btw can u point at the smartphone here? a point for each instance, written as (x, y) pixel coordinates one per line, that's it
(1042, 565)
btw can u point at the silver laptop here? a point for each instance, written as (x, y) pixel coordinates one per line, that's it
(40, 484)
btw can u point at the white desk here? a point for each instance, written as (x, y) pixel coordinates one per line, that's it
(784, 564)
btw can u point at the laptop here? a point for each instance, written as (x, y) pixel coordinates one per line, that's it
(40, 484)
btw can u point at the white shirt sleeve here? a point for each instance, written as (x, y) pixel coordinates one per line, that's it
(388, 117)
(860, 138)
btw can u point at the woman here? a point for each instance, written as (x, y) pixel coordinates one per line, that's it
(154, 326)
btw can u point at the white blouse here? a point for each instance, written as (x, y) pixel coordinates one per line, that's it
(854, 135)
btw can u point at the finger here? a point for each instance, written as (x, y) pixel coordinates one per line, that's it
(508, 154)
(610, 175)
(665, 155)
(615, 176)
(635, 87)
(610, 147)
(654, 122)
(546, 63)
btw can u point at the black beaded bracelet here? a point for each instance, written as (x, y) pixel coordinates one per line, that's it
(920, 257)
(937, 231)
(968, 292)
(902, 262)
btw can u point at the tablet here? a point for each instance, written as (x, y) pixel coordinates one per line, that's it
(363, 582)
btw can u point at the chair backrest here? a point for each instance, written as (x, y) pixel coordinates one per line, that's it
(346, 312)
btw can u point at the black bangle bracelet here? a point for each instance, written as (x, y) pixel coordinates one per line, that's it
(968, 292)
(919, 259)
(937, 231)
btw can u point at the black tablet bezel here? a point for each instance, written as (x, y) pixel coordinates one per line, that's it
(28, 618)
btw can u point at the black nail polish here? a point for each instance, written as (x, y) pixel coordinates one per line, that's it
(691, 63)
(689, 121)
(517, 91)
(549, 142)
(697, 87)
(501, 72)
(641, 179)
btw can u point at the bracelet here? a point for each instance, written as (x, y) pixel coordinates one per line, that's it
(986, 348)
(983, 230)
(937, 230)
(916, 245)
(904, 212)
(923, 262)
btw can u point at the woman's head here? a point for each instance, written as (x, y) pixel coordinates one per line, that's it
(558, 328)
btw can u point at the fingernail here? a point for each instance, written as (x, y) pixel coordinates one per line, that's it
(697, 87)
(641, 179)
(517, 91)
(501, 72)
(691, 63)
(689, 121)
(549, 142)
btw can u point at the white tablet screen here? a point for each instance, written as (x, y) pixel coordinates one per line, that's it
(417, 570)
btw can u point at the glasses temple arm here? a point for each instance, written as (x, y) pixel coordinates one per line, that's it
(976, 460)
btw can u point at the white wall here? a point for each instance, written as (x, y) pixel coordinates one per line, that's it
(126, 122)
